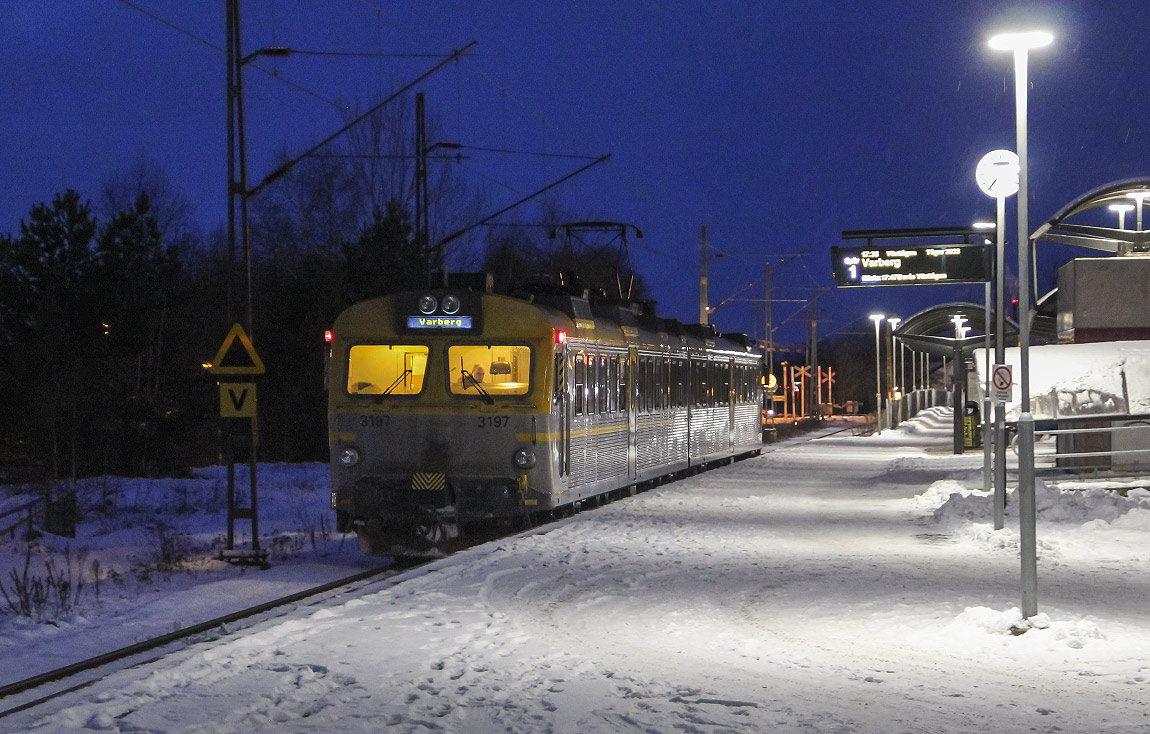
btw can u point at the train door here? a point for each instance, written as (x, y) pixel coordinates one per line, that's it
(563, 401)
(631, 406)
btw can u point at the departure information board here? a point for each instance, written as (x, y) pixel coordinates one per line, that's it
(859, 267)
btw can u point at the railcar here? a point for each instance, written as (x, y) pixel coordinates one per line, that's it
(452, 407)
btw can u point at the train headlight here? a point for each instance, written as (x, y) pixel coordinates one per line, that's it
(450, 304)
(524, 458)
(427, 303)
(348, 456)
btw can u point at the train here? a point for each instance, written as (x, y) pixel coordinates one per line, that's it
(455, 407)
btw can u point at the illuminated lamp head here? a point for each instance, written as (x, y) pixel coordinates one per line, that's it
(329, 336)
(560, 337)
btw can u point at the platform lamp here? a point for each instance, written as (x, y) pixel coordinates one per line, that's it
(1121, 209)
(877, 319)
(1020, 44)
(1139, 197)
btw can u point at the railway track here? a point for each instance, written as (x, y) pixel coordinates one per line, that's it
(94, 669)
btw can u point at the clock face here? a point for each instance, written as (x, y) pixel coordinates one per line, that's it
(997, 174)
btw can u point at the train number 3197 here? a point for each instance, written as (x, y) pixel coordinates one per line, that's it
(494, 421)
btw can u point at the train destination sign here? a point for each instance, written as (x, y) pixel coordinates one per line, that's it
(858, 267)
(439, 322)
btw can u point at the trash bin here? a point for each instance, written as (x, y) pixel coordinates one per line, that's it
(972, 426)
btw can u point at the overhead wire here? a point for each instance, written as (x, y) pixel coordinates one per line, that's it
(272, 73)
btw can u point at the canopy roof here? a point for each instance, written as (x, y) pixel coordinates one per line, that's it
(932, 329)
(1094, 237)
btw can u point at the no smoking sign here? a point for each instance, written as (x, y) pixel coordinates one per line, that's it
(1001, 381)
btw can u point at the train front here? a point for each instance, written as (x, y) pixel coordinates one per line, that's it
(440, 403)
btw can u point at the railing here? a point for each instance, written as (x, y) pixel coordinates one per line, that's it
(26, 511)
(1055, 456)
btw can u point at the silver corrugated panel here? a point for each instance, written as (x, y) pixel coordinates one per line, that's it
(748, 425)
(648, 451)
(582, 469)
(610, 455)
(677, 438)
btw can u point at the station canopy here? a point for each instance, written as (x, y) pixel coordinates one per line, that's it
(1115, 240)
(932, 330)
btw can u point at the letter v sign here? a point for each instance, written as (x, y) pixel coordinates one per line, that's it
(237, 400)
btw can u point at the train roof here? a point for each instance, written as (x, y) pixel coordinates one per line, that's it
(583, 315)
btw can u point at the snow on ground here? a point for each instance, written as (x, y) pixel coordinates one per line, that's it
(845, 584)
(156, 542)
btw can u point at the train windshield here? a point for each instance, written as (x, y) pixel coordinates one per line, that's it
(489, 369)
(386, 369)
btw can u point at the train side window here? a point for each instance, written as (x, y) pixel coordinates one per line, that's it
(602, 382)
(612, 384)
(668, 382)
(592, 384)
(580, 383)
(642, 380)
(386, 369)
(624, 381)
(653, 384)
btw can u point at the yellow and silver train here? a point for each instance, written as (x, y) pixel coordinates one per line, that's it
(450, 407)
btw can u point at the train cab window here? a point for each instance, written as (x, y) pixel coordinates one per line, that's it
(386, 369)
(489, 369)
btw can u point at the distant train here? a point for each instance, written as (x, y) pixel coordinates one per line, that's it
(451, 407)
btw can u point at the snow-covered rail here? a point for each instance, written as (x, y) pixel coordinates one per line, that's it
(97, 667)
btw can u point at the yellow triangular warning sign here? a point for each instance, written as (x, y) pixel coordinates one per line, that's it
(219, 368)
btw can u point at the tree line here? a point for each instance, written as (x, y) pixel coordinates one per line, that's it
(106, 320)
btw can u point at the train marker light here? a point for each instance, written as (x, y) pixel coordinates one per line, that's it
(524, 458)
(348, 456)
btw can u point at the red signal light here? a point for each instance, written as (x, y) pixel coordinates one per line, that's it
(329, 336)
(560, 337)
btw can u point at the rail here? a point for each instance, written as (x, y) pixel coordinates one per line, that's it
(166, 639)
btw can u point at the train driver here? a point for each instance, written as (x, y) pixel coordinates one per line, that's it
(475, 376)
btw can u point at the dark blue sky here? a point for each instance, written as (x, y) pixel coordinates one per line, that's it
(776, 124)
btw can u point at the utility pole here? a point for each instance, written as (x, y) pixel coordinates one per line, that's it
(814, 359)
(768, 332)
(421, 219)
(703, 280)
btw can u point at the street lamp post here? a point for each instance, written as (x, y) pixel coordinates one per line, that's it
(1020, 44)
(893, 387)
(877, 319)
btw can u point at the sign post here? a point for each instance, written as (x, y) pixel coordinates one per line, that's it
(239, 433)
(997, 175)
